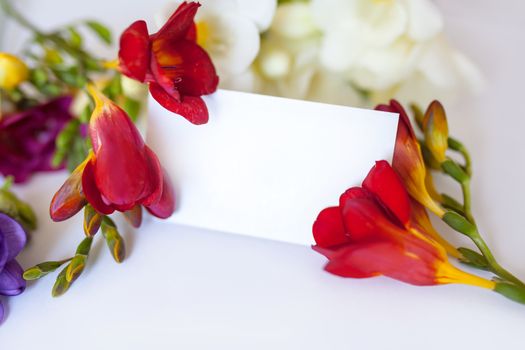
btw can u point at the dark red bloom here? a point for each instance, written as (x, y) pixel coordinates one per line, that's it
(27, 139)
(121, 172)
(177, 70)
(374, 232)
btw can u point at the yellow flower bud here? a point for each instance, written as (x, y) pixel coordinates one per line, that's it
(435, 127)
(13, 71)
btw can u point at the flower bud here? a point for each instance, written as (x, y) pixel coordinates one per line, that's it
(511, 291)
(41, 270)
(459, 223)
(75, 268)
(454, 170)
(92, 221)
(70, 198)
(435, 127)
(114, 240)
(61, 284)
(134, 216)
(13, 71)
(77, 264)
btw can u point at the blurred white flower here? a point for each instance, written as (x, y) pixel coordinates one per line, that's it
(443, 73)
(288, 58)
(392, 48)
(377, 44)
(229, 31)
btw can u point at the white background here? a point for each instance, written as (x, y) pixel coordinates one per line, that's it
(195, 289)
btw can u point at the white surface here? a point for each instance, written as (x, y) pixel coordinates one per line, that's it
(232, 292)
(265, 166)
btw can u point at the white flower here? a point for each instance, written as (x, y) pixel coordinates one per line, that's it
(391, 48)
(376, 43)
(229, 31)
(288, 57)
(443, 73)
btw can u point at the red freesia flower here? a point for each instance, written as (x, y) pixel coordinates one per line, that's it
(373, 232)
(177, 70)
(27, 138)
(408, 160)
(120, 173)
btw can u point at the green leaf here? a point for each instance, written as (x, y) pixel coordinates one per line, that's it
(132, 108)
(114, 88)
(39, 77)
(101, 30)
(51, 90)
(71, 76)
(77, 153)
(75, 39)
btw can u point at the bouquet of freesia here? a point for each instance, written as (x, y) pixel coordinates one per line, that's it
(65, 107)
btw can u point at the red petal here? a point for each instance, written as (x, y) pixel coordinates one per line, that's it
(153, 190)
(134, 52)
(186, 66)
(192, 108)
(122, 170)
(179, 24)
(404, 121)
(354, 193)
(69, 199)
(382, 258)
(91, 191)
(365, 220)
(166, 205)
(328, 229)
(383, 181)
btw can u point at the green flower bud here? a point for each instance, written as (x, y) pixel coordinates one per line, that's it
(61, 284)
(511, 291)
(42, 269)
(92, 220)
(75, 268)
(459, 223)
(114, 240)
(454, 170)
(474, 259)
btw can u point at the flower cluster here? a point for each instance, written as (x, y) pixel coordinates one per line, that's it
(351, 52)
(382, 227)
(64, 106)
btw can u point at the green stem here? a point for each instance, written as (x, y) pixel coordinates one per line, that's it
(494, 265)
(459, 147)
(467, 201)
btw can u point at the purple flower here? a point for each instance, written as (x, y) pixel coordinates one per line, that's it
(27, 138)
(12, 241)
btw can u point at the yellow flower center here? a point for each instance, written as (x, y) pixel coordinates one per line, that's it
(203, 33)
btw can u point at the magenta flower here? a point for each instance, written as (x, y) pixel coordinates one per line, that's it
(27, 138)
(12, 241)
